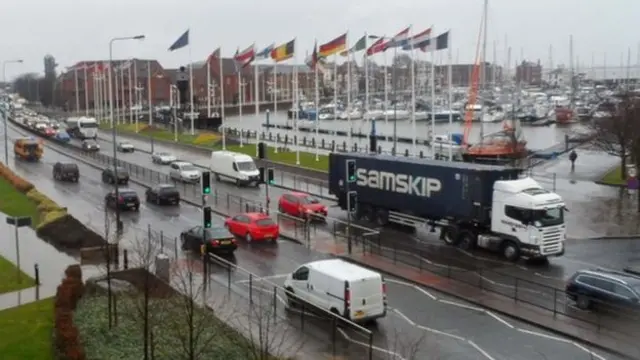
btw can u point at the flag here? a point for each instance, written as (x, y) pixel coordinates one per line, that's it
(418, 41)
(314, 60)
(182, 41)
(442, 42)
(265, 53)
(284, 51)
(376, 47)
(334, 46)
(401, 39)
(245, 57)
(359, 46)
(214, 55)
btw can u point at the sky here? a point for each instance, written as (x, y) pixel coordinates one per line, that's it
(75, 30)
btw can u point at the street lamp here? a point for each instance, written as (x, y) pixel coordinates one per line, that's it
(113, 128)
(6, 115)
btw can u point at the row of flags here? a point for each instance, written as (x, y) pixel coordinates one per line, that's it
(422, 41)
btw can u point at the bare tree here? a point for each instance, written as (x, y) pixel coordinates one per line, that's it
(615, 134)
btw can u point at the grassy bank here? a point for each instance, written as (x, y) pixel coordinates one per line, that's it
(9, 277)
(26, 331)
(15, 203)
(213, 141)
(613, 177)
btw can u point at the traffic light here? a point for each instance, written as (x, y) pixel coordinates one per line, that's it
(352, 201)
(262, 150)
(261, 175)
(206, 217)
(205, 180)
(351, 171)
(270, 176)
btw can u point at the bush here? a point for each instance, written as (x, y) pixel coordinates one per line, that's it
(65, 231)
(48, 206)
(66, 336)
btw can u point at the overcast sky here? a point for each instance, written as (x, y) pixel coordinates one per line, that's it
(73, 30)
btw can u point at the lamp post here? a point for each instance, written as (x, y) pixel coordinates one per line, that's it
(6, 115)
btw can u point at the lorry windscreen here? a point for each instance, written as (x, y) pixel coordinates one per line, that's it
(88, 125)
(549, 217)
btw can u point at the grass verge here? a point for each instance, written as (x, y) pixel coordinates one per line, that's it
(26, 331)
(307, 159)
(9, 278)
(15, 203)
(613, 177)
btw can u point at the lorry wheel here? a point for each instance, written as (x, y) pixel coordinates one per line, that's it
(467, 240)
(450, 235)
(511, 251)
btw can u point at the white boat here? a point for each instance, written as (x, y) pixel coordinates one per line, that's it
(375, 114)
(445, 143)
(353, 114)
(493, 116)
(398, 113)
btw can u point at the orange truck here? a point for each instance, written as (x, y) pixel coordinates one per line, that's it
(28, 149)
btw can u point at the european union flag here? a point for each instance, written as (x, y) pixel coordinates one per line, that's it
(182, 41)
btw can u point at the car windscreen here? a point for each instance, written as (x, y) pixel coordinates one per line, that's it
(69, 167)
(309, 200)
(218, 233)
(128, 194)
(163, 154)
(168, 190)
(246, 165)
(265, 222)
(122, 171)
(189, 168)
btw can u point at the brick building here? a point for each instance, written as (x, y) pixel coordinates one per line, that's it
(529, 73)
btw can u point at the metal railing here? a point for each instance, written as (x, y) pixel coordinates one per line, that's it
(497, 279)
(269, 299)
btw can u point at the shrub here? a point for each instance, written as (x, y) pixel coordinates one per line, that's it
(66, 334)
(48, 206)
(62, 229)
(36, 196)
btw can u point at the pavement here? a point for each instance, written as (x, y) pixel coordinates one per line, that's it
(276, 261)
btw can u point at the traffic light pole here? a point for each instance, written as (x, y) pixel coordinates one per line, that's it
(349, 177)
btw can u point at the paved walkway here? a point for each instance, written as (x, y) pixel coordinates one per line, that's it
(593, 335)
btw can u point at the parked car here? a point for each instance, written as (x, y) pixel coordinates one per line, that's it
(184, 171)
(163, 158)
(340, 287)
(216, 239)
(127, 199)
(90, 145)
(163, 194)
(109, 176)
(253, 226)
(125, 146)
(66, 172)
(599, 288)
(302, 205)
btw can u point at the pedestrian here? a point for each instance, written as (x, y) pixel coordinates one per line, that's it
(573, 157)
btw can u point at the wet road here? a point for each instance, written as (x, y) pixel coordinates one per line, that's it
(415, 313)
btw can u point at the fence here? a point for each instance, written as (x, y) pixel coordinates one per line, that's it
(270, 300)
(496, 279)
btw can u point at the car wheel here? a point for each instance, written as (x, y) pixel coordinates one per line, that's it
(137, 208)
(147, 198)
(583, 302)
(280, 209)
(510, 251)
(248, 238)
(217, 178)
(238, 182)
(291, 302)
(158, 200)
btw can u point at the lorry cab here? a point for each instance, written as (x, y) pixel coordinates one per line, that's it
(337, 286)
(236, 167)
(28, 149)
(528, 220)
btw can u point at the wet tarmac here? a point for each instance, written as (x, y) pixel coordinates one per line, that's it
(85, 200)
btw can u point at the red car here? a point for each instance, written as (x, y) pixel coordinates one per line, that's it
(253, 226)
(50, 131)
(301, 205)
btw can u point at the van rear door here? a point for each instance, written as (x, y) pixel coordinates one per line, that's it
(367, 298)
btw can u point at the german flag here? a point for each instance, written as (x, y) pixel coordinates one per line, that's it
(284, 51)
(334, 46)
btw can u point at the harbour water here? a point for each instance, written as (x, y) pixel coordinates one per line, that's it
(538, 137)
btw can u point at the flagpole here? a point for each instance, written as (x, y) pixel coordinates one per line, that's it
(208, 87)
(75, 74)
(348, 109)
(117, 94)
(149, 100)
(386, 93)
(86, 91)
(366, 76)
(94, 86)
(122, 97)
(136, 92)
(295, 98)
(191, 107)
(131, 97)
(274, 95)
(450, 79)
(317, 96)
(240, 102)
(335, 87)
(224, 131)
(413, 95)
(256, 91)
(433, 44)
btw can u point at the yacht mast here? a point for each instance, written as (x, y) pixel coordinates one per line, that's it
(483, 64)
(571, 67)
(493, 64)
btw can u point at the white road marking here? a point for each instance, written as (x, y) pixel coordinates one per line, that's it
(262, 278)
(395, 355)
(489, 313)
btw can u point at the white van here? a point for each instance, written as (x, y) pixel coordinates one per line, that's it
(236, 167)
(353, 292)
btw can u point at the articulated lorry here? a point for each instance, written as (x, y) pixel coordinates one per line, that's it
(82, 127)
(474, 205)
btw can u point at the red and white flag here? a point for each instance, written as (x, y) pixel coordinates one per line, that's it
(245, 57)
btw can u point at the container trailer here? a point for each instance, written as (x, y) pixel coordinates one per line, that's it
(474, 205)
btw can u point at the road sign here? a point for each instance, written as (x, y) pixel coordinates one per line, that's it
(19, 221)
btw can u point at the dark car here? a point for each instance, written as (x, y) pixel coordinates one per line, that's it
(109, 176)
(90, 145)
(66, 172)
(615, 290)
(216, 240)
(126, 199)
(163, 194)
